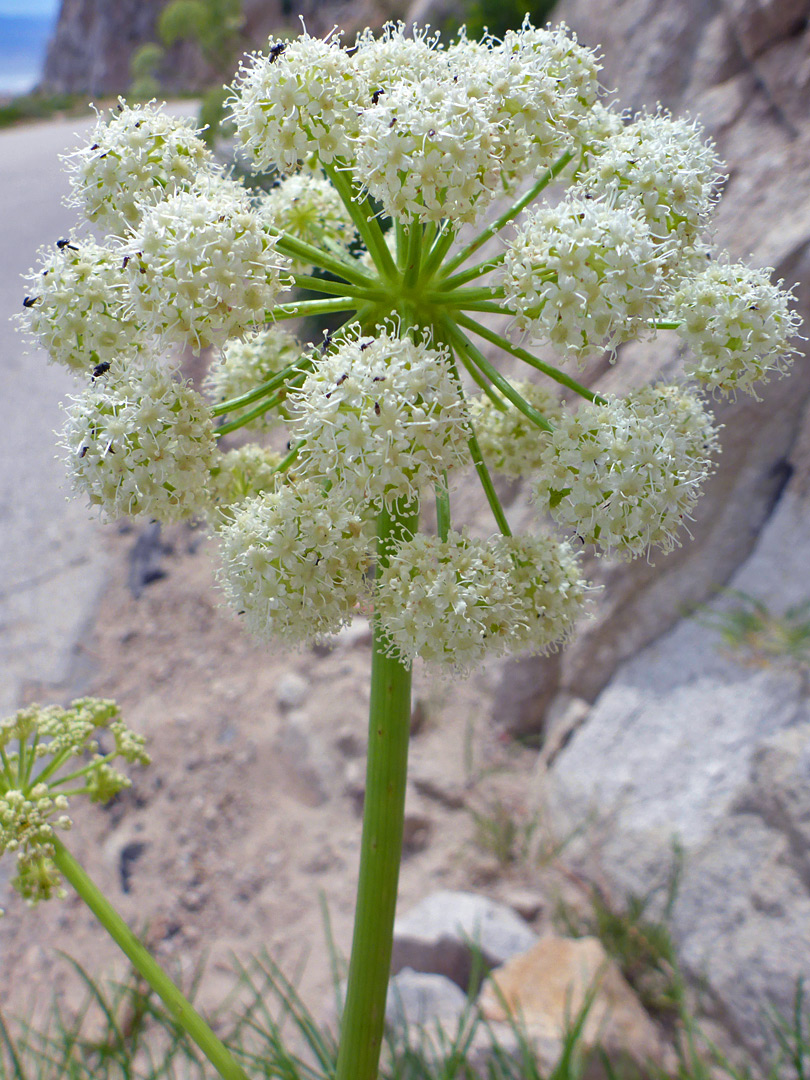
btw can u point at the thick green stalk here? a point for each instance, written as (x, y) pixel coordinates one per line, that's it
(180, 1008)
(364, 221)
(381, 847)
(344, 267)
(312, 307)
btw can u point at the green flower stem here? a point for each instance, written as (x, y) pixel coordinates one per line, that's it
(665, 325)
(260, 409)
(263, 390)
(402, 243)
(84, 771)
(473, 272)
(289, 458)
(364, 221)
(463, 344)
(441, 245)
(304, 252)
(527, 358)
(442, 507)
(381, 847)
(465, 297)
(311, 307)
(180, 1008)
(491, 306)
(487, 485)
(513, 211)
(338, 288)
(413, 262)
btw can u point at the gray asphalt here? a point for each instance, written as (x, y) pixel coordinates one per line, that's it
(53, 564)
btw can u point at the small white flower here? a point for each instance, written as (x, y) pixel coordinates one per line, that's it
(381, 417)
(583, 275)
(300, 98)
(510, 442)
(76, 309)
(135, 157)
(739, 326)
(202, 266)
(294, 562)
(450, 602)
(624, 475)
(399, 54)
(141, 444)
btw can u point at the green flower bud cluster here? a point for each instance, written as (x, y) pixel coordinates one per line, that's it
(47, 755)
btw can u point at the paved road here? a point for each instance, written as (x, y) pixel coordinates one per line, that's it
(52, 560)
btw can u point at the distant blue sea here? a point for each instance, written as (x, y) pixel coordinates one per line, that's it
(23, 40)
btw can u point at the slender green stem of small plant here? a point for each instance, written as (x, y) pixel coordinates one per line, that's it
(665, 325)
(44, 775)
(364, 221)
(299, 249)
(527, 358)
(442, 507)
(513, 211)
(263, 390)
(381, 846)
(311, 307)
(441, 245)
(413, 262)
(88, 768)
(488, 305)
(180, 1008)
(290, 457)
(487, 485)
(473, 272)
(463, 344)
(338, 288)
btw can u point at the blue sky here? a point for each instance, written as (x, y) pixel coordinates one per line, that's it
(29, 7)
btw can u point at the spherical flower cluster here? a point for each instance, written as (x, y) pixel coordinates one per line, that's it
(429, 151)
(448, 601)
(381, 417)
(139, 155)
(76, 309)
(542, 86)
(141, 444)
(625, 474)
(31, 803)
(551, 594)
(299, 98)
(202, 266)
(294, 562)
(583, 275)
(662, 166)
(399, 54)
(245, 364)
(738, 324)
(510, 442)
(241, 474)
(307, 206)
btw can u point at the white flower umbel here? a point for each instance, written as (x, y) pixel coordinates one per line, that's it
(665, 167)
(399, 54)
(246, 363)
(294, 562)
(307, 206)
(583, 275)
(430, 152)
(381, 417)
(241, 474)
(202, 266)
(510, 442)
(137, 155)
(550, 590)
(625, 474)
(299, 98)
(542, 85)
(77, 305)
(739, 326)
(141, 444)
(449, 602)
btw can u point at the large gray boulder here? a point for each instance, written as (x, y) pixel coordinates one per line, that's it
(690, 745)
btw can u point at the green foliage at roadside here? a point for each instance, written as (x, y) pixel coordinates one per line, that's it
(39, 106)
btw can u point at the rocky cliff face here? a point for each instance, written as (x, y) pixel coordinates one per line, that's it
(94, 40)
